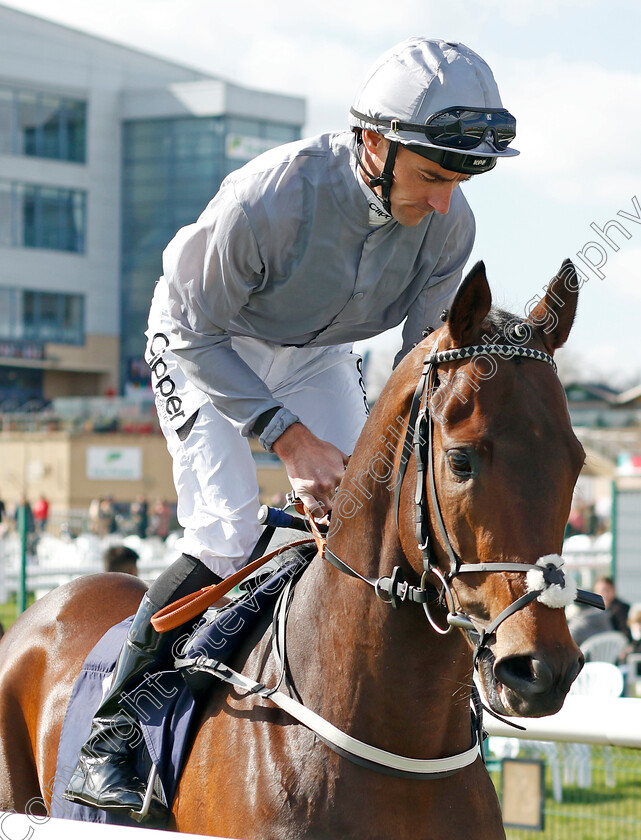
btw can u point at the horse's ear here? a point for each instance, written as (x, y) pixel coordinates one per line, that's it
(470, 306)
(554, 315)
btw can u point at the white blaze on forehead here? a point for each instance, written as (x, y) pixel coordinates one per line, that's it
(555, 595)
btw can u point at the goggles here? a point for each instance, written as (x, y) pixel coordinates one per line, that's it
(458, 128)
(466, 128)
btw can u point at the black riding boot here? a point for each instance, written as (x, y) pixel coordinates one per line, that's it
(105, 776)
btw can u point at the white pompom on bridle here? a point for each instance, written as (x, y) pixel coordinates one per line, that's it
(557, 589)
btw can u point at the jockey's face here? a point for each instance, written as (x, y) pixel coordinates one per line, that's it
(420, 186)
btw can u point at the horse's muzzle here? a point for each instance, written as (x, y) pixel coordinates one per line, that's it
(531, 687)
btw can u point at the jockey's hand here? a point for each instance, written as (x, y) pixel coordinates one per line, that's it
(314, 467)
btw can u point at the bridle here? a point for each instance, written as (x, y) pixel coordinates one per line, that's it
(545, 580)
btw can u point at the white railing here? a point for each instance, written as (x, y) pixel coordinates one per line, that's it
(58, 561)
(587, 720)
(588, 564)
(14, 826)
(41, 580)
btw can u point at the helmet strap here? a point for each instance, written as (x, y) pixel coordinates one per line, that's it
(384, 180)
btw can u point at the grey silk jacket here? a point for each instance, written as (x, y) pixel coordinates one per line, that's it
(284, 252)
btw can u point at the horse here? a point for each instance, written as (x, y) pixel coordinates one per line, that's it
(460, 482)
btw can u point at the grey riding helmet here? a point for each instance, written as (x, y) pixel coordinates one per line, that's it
(439, 100)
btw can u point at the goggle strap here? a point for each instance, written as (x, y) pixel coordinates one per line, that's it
(397, 126)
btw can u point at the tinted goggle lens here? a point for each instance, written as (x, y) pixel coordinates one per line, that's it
(466, 129)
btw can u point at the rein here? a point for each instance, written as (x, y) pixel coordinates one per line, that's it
(356, 751)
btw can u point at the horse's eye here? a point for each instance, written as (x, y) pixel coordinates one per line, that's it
(459, 462)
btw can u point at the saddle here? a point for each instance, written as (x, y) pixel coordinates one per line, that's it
(165, 703)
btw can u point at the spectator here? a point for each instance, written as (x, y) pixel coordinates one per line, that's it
(121, 558)
(634, 627)
(140, 516)
(615, 609)
(94, 516)
(106, 517)
(41, 514)
(3, 517)
(586, 622)
(576, 523)
(160, 519)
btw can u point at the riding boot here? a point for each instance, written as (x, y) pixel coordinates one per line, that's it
(105, 776)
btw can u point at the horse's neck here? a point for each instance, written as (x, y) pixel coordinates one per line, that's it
(381, 674)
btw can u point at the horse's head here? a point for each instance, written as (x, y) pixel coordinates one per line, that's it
(505, 461)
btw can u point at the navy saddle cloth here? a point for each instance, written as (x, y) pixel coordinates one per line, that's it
(163, 704)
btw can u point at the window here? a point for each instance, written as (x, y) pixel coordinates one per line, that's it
(72, 320)
(8, 319)
(19, 386)
(49, 320)
(74, 130)
(247, 138)
(282, 132)
(42, 125)
(6, 121)
(51, 316)
(172, 168)
(35, 316)
(27, 123)
(6, 213)
(33, 216)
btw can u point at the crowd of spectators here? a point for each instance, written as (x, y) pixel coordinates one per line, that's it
(618, 616)
(104, 516)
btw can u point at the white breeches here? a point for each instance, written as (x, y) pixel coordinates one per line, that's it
(213, 468)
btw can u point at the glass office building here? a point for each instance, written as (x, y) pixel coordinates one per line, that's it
(171, 170)
(105, 152)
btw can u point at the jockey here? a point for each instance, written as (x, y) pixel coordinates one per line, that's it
(304, 250)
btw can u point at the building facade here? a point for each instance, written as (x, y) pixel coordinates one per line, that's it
(104, 153)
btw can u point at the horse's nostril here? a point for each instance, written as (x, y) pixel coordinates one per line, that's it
(524, 674)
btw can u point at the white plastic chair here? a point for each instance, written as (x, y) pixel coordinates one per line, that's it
(597, 679)
(633, 674)
(604, 647)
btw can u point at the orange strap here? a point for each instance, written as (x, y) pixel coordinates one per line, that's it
(191, 606)
(319, 539)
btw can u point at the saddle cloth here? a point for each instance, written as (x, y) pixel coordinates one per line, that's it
(163, 704)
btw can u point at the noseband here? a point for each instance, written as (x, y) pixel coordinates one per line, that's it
(545, 580)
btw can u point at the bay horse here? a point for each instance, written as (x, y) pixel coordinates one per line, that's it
(491, 491)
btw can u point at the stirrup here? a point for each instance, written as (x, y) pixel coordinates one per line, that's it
(142, 815)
